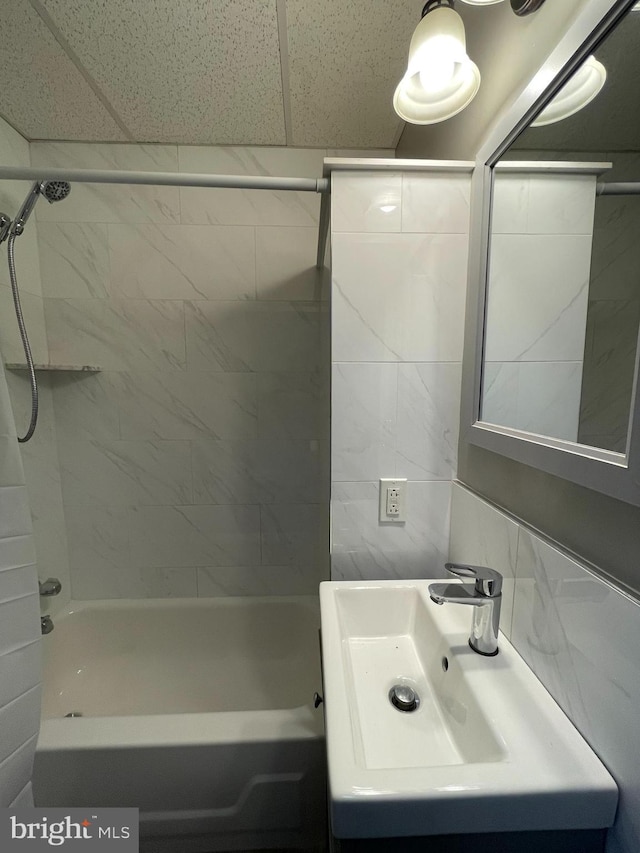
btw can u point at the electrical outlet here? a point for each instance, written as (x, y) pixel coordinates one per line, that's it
(393, 501)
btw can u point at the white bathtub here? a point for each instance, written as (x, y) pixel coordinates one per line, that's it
(197, 711)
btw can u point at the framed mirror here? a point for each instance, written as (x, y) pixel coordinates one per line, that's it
(553, 321)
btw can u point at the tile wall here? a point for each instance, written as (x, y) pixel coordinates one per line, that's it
(399, 267)
(542, 230)
(577, 632)
(196, 462)
(19, 600)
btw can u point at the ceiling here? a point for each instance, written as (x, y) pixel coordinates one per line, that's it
(316, 73)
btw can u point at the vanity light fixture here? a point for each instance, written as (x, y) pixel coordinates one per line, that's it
(440, 80)
(576, 93)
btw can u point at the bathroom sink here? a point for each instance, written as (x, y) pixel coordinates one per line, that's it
(486, 749)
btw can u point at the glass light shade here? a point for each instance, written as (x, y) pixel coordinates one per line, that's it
(576, 93)
(481, 2)
(440, 80)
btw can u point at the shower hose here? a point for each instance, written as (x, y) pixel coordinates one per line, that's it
(25, 339)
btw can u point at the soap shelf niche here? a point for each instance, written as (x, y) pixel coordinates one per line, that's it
(78, 368)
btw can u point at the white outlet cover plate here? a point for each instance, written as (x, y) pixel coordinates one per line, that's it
(395, 483)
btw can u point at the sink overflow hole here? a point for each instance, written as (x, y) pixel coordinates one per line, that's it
(445, 663)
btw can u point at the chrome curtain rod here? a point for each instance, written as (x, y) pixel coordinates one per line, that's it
(166, 179)
(618, 188)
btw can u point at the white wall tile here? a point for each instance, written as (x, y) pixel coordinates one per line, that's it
(427, 421)
(561, 204)
(582, 639)
(125, 334)
(195, 536)
(14, 512)
(125, 473)
(74, 259)
(191, 405)
(125, 582)
(537, 298)
(483, 536)
(398, 297)
(363, 423)
(258, 472)
(435, 203)
(15, 771)
(250, 207)
(10, 341)
(98, 541)
(19, 720)
(366, 202)
(549, 398)
(363, 548)
(218, 336)
(510, 203)
(20, 623)
(182, 262)
(108, 202)
(19, 672)
(293, 405)
(263, 580)
(286, 264)
(86, 405)
(294, 534)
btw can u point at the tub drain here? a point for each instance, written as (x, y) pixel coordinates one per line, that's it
(74, 714)
(403, 697)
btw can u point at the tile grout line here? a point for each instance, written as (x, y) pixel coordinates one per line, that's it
(283, 41)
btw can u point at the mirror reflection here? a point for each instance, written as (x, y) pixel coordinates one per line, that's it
(563, 289)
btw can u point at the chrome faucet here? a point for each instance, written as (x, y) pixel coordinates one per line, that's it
(46, 624)
(485, 596)
(51, 586)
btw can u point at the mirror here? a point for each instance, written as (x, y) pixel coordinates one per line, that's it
(562, 310)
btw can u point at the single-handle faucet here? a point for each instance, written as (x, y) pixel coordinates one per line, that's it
(485, 596)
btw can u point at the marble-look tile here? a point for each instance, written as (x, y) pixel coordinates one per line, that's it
(609, 367)
(258, 472)
(266, 580)
(363, 201)
(363, 548)
(98, 539)
(581, 638)
(294, 535)
(25, 252)
(109, 202)
(190, 405)
(182, 262)
(125, 473)
(19, 387)
(435, 204)
(483, 536)
(125, 334)
(549, 398)
(15, 518)
(510, 202)
(218, 336)
(427, 421)
(250, 207)
(561, 204)
(616, 250)
(537, 298)
(179, 536)
(11, 469)
(124, 582)
(86, 405)
(286, 264)
(10, 341)
(499, 402)
(286, 336)
(398, 297)
(74, 259)
(293, 405)
(363, 425)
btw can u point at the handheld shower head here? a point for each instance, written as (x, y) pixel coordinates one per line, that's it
(51, 190)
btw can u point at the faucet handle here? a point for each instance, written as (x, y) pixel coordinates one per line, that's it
(488, 581)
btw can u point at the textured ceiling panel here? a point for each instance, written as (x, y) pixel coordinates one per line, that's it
(186, 72)
(345, 60)
(43, 95)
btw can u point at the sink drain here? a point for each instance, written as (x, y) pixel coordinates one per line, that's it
(403, 697)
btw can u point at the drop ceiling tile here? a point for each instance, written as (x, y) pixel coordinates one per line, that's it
(196, 72)
(345, 60)
(43, 95)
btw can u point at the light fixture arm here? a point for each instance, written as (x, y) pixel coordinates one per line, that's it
(435, 4)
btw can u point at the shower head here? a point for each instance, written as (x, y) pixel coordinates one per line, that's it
(51, 190)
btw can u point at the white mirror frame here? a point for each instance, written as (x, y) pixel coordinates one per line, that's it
(614, 474)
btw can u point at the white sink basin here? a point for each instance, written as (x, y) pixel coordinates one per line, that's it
(487, 749)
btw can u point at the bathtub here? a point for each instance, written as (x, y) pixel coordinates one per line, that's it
(197, 711)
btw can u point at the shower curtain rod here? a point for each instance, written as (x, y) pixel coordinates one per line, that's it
(186, 179)
(618, 188)
(170, 179)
